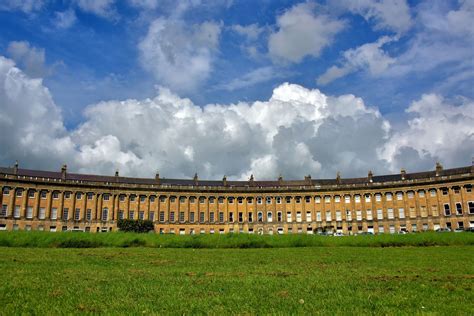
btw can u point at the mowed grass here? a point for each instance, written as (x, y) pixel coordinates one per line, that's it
(120, 239)
(317, 280)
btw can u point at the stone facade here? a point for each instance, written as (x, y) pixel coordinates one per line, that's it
(55, 201)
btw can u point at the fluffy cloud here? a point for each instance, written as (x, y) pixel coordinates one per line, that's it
(301, 32)
(251, 31)
(180, 55)
(297, 131)
(26, 6)
(65, 19)
(369, 56)
(102, 8)
(385, 14)
(31, 59)
(252, 78)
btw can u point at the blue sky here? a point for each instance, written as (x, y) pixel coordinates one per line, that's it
(389, 53)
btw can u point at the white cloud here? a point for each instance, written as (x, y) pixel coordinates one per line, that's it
(144, 4)
(102, 8)
(369, 56)
(251, 31)
(64, 19)
(297, 131)
(30, 59)
(385, 14)
(26, 6)
(179, 54)
(301, 32)
(252, 78)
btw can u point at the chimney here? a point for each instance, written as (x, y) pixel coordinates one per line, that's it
(157, 177)
(280, 180)
(472, 165)
(116, 175)
(307, 179)
(370, 175)
(224, 181)
(403, 173)
(195, 179)
(338, 177)
(439, 168)
(251, 180)
(15, 168)
(64, 172)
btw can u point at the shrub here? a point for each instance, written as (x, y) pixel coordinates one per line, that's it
(137, 226)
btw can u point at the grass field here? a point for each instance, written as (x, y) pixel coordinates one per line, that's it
(318, 280)
(124, 240)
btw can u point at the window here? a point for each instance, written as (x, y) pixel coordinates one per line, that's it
(348, 215)
(78, 196)
(221, 217)
(357, 198)
(470, 205)
(279, 216)
(249, 200)
(327, 199)
(19, 192)
(367, 198)
(90, 196)
(106, 197)
(172, 217)
(121, 197)
(399, 196)
(202, 200)
(250, 217)
(162, 216)
(231, 217)
(308, 217)
(298, 217)
(172, 199)
(447, 210)
(181, 217)
(421, 193)
(278, 199)
(369, 215)
(6, 190)
(131, 215)
(338, 216)
(269, 200)
(65, 214)
(411, 194)
(401, 212)
(434, 210)
(201, 217)
(379, 213)
(328, 216)
(29, 212)
(77, 214)
(3, 212)
(433, 192)
(389, 196)
(318, 216)
(412, 212)
(192, 199)
(67, 195)
(43, 194)
(317, 200)
(347, 199)
(152, 216)
(142, 198)
(221, 200)
(381, 229)
(390, 213)
(423, 211)
(378, 197)
(260, 217)
(240, 200)
(269, 217)
(212, 200)
(211, 217)
(259, 200)
(358, 215)
(468, 188)
(458, 209)
(105, 214)
(298, 199)
(231, 200)
(54, 213)
(162, 199)
(307, 199)
(288, 217)
(337, 199)
(120, 214)
(31, 194)
(191, 217)
(288, 199)
(152, 199)
(444, 191)
(89, 214)
(141, 215)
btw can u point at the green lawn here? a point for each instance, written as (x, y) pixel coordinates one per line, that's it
(317, 280)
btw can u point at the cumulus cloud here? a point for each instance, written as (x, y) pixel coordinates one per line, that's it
(102, 8)
(26, 6)
(251, 32)
(179, 54)
(302, 32)
(369, 56)
(297, 131)
(252, 78)
(385, 14)
(30, 59)
(64, 19)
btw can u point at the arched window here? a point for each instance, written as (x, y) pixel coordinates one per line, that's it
(269, 217)
(105, 214)
(260, 217)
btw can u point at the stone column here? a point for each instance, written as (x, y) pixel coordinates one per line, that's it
(37, 203)
(49, 204)
(12, 201)
(25, 204)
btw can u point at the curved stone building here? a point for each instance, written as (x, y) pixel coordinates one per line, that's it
(60, 201)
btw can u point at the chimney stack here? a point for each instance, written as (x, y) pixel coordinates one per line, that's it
(224, 180)
(15, 168)
(157, 177)
(403, 173)
(307, 179)
(370, 175)
(195, 179)
(338, 177)
(251, 180)
(64, 172)
(439, 168)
